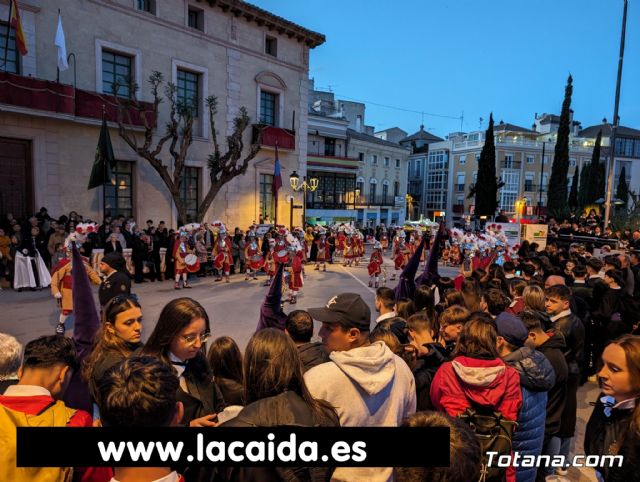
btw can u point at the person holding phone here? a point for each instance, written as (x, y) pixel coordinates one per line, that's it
(179, 340)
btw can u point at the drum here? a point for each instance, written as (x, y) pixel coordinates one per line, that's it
(256, 262)
(192, 262)
(281, 256)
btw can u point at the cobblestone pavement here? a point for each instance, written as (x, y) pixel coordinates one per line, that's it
(234, 310)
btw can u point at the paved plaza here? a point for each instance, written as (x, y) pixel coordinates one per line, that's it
(234, 310)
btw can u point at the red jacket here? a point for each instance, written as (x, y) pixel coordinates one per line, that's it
(488, 383)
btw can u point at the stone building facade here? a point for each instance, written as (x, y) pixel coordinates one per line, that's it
(239, 53)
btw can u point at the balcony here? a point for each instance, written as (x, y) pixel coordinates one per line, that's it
(535, 187)
(49, 96)
(380, 200)
(458, 209)
(510, 164)
(274, 136)
(333, 162)
(459, 187)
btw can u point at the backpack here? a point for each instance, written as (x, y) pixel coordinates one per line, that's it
(493, 433)
(56, 414)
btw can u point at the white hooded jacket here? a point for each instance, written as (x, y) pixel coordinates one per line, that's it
(369, 387)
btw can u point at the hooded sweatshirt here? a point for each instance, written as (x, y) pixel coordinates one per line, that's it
(368, 386)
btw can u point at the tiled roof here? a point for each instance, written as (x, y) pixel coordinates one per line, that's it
(504, 126)
(422, 135)
(376, 140)
(591, 132)
(273, 22)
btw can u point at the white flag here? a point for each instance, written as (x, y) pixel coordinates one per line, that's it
(61, 45)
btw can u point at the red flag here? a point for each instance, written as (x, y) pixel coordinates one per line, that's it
(16, 23)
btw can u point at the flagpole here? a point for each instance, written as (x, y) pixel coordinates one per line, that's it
(104, 177)
(58, 68)
(275, 196)
(6, 44)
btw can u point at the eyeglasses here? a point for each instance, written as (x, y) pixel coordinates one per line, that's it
(191, 339)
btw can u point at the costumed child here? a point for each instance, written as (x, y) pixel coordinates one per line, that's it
(375, 264)
(253, 257)
(349, 250)
(384, 239)
(323, 251)
(295, 271)
(402, 254)
(62, 279)
(270, 262)
(181, 249)
(222, 259)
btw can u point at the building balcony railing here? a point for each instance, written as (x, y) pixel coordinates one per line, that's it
(49, 96)
(460, 187)
(510, 164)
(338, 162)
(274, 136)
(380, 200)
(535, 187)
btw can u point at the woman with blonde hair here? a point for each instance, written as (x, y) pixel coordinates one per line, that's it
(533, 298)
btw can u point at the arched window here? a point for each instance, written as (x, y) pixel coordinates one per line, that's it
(373, 184)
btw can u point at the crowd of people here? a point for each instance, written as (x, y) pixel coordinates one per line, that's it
(496, 354)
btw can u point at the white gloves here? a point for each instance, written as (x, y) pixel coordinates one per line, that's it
(58, 295)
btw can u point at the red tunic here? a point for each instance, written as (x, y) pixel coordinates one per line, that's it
(341, 241)
(323, 250)
(280, 252)
(295, 280)
(253, 255)
(222, 255)
(375, 263)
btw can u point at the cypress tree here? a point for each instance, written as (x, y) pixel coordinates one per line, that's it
(486, 187)
(558, 181)
(593, 186)
(622, 192)
(584, 185)
(573, 194)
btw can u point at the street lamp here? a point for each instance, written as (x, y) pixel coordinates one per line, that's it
(312, 185)
(409, 199)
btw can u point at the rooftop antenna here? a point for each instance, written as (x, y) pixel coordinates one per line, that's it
(480, 125)
(461, 120)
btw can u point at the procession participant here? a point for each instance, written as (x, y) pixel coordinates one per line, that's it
(384, 239)
(375, 264)
(280, 251)
(349, 249)
(30, 269)
(253, 257)
(295, 272)
(222, 258)
(402, 255)
(180, 251)
(323, 251)
(62, 281)
(359, 247)
(341, 242)
(331, 243)
(269, 261)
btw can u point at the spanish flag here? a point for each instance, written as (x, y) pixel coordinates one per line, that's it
(16, 23)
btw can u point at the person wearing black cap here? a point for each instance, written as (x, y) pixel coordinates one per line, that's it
(116, 281)
(360, 375)
(536, 379)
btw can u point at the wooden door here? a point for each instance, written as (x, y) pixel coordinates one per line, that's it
(16, 177)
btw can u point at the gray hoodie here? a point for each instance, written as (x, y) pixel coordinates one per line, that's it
(369, 387)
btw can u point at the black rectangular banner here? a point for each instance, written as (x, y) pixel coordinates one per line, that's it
(259, 446)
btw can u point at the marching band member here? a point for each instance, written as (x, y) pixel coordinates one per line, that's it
(323, 251)
(180, 251)
(270, 262)
(62, 281)
(253, 257)
(375, 264)
(222, 259)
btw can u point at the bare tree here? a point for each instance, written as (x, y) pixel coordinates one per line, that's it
(222, 166)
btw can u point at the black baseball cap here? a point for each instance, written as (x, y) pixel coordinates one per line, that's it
(348, 308)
